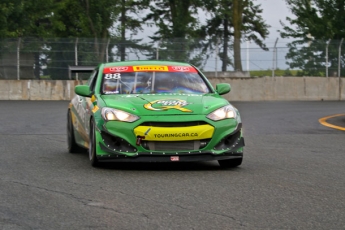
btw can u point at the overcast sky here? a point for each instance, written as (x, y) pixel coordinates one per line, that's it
(273, 12)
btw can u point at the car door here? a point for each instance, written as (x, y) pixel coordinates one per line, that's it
(82, 111)
(88, 102)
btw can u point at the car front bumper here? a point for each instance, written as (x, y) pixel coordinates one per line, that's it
(119, 143)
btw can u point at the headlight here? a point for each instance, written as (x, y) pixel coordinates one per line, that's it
(110, 114)
(223, 113)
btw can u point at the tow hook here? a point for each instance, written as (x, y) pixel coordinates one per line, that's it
(139, 138)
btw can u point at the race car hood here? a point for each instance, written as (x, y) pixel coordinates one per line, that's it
(163, 104)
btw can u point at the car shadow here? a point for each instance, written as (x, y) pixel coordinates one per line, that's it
(163, 166)
(158, 166)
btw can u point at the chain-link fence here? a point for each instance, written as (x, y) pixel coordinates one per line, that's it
(33, 58)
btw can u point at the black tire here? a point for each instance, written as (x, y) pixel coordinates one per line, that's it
(92, 146)
(230, 163)
(72, 145)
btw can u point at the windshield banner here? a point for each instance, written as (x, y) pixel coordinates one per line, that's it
(149, 68)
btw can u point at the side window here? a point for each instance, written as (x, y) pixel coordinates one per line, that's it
(92, 80)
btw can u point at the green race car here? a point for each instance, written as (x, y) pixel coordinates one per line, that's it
(154, 111)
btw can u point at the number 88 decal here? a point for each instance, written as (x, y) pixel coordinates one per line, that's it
(114, 76)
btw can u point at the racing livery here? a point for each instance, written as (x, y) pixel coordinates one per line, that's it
(154, 111)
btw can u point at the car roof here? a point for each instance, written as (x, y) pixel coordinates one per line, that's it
(145, 62)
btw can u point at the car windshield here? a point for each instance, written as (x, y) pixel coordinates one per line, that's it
(132, 80)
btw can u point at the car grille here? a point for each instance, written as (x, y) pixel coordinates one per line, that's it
(173, 124)
(173, 145)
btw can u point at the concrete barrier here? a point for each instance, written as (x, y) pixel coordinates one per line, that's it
(283, 88)
(242, 89)
(37, 89)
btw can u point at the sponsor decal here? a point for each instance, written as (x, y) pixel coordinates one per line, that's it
(175, 158)
(181, 68)
(150, 68)
(112, 92)
(167, 135)
(118, 69)
(187, 69)
(174, 133)
(162, 105)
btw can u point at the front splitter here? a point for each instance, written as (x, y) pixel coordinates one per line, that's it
(169, 158)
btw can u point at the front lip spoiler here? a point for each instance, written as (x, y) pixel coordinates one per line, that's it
(167, 158)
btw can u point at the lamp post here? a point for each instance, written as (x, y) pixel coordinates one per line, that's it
(327, 57)
(158, 48)
(274, 64)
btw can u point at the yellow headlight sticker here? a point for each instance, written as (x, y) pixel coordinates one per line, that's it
(150, 68)
(174, 133)
(160, 105)
(95, 109)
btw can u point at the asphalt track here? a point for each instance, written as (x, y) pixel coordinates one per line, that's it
(292, 177)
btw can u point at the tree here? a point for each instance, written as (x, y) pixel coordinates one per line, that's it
(253, 27)
(20, 18)
(178, 28)
(218, 29)
(235, 21)
(174, 18)
(88, 20)
(131, 24)
(10, 12)
(29, 19)
(109, 23)
(316, 26)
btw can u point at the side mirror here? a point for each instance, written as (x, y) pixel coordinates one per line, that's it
(83, 90)
(223, 88)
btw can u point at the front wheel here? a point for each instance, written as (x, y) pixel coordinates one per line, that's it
(230, 163)
(92, 146)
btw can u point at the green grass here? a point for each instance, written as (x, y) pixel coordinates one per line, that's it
(277, 72)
